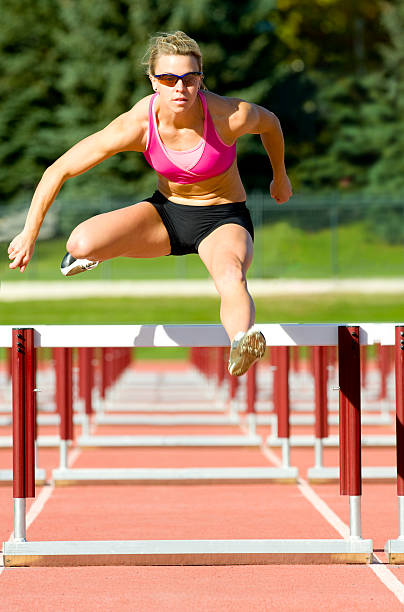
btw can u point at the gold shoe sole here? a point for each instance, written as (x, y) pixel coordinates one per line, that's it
(251, 348)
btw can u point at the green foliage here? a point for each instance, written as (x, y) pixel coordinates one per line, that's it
(361, 127)
(29, 96)
(68, 68)
(386, 90)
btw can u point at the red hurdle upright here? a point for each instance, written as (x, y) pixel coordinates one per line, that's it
(251, 399)
(281, 362)
(350, 423)
(395, 548)
(399, 364)
(64, 399)
(23, 384)
(320, 362)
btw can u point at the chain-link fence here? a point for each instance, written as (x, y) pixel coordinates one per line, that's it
(311, 236)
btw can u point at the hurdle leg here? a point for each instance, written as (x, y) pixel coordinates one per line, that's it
(86, 387)
(20, 528)
(251, 399)
(355, 516)
(64, 399)
(233, 389)
(321, 427)
(102, 380)
(220, 365)
(319, 472)
(40, 473)
(395, 548)
(23, 365)
(34, 406)
(281, 360)
(350, 424)
(401, 517)
(318, 454)
(274, 382)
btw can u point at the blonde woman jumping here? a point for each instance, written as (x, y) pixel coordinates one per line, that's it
(188, 135)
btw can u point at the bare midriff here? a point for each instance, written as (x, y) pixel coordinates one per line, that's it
(222, 189)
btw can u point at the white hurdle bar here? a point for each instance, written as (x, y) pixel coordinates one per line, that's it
(169, 552)
(288, 334)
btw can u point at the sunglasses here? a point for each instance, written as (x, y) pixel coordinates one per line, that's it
(188, 78)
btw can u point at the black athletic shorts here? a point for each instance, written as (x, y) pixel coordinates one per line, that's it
(188, 225)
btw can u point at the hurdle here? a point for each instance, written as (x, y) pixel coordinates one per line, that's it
(245, 440)
(395, 548)
(319, 473)
(354, 549)
(265, 403)
(64, 476)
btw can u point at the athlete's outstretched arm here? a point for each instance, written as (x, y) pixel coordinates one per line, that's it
(254, 119)
(126, 132)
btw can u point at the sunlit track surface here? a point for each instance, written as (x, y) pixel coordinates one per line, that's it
(213, 511)
(214, 499)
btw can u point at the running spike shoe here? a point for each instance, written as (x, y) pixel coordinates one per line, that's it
(71, 266)
(246, 348)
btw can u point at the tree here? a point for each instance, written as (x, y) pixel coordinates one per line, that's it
(385, 129)
(68, 68)
(28, 73)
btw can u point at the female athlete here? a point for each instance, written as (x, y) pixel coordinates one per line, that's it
(188, 135)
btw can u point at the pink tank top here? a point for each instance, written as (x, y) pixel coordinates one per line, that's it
(210, 157)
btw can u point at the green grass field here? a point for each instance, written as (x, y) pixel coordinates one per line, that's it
(281, 251)
(292, 309)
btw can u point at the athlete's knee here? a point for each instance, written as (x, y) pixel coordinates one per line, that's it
(79, 245)
(230, 276)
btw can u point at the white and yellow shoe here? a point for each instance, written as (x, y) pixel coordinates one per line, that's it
(246, 348)
(71, 266)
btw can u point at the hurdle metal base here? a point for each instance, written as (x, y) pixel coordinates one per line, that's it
(394, 550)
(173, 441)
(169, 420)
(6, 477)
(333, 441)
(64, 477)
(331, 474)
(152, 406)
(54, 419)
(308, 419)
(42, 441)
(187, 552)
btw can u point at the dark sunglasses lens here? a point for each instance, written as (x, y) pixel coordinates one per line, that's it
(189, 80)
(168, 79)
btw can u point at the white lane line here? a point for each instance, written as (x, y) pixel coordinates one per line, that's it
(320, 505)
(39, 503)
(387, 577)
(383, 573)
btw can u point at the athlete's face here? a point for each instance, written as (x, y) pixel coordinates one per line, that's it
(182, 94)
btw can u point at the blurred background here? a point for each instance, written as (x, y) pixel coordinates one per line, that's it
(332, 71)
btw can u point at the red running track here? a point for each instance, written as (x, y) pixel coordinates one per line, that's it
(202, 511)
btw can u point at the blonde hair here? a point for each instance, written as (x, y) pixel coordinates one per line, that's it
(176, 43)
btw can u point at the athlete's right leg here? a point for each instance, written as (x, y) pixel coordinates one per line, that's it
(134, 231)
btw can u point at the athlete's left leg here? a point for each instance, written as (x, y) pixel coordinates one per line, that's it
(227, 253)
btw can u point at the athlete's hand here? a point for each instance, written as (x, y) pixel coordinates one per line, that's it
(20, 251)
(281, 189)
